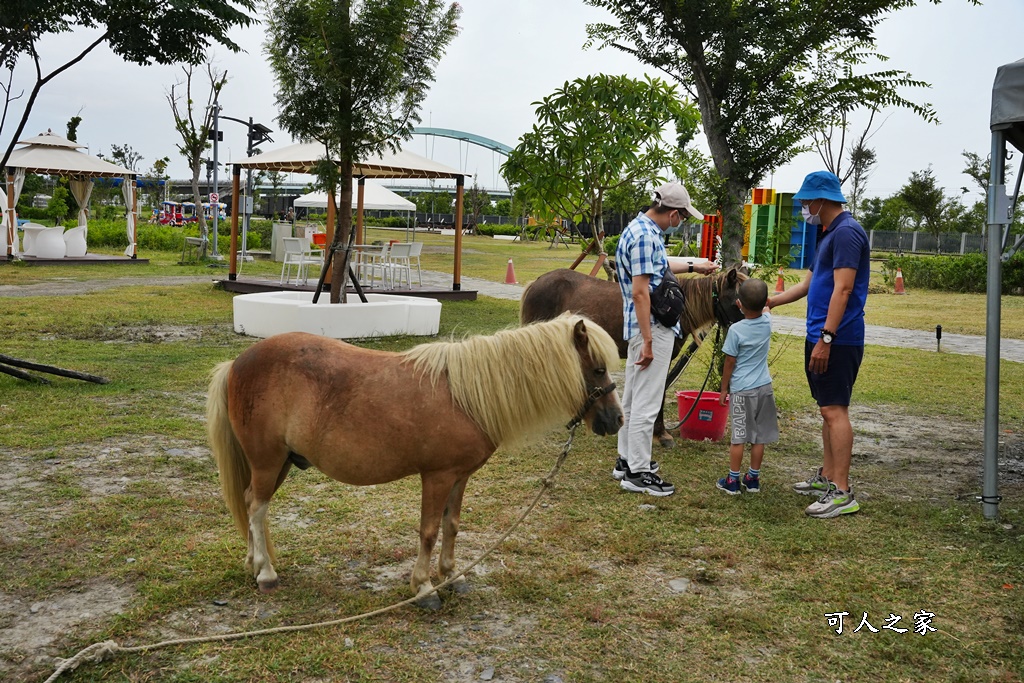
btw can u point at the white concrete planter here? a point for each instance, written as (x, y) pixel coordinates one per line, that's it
(268, 313)
(510, 238)
(447, 231)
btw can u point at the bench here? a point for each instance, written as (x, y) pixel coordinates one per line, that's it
(193, 250)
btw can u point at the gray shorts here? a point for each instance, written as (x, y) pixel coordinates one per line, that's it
(753, 415)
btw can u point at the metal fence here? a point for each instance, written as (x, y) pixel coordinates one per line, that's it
(926, 242)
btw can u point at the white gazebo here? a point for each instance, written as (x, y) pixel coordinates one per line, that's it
(302, 157)
(50, 154)
(376, 198)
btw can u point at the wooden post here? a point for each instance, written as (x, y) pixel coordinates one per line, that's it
(359, 210)
(236, 175)
(460, 186)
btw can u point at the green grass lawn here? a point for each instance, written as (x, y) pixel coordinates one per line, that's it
(109, 491)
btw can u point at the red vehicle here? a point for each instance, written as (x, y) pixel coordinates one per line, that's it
(171, 214)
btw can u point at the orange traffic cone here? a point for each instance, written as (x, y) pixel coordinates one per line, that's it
(510, 274)
(780, 286)
(898, 287)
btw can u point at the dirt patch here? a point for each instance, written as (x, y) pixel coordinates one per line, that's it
(28, 629)
(941, 455)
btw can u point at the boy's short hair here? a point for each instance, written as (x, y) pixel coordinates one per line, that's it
(753, 294)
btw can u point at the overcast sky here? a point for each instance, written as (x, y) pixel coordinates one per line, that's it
(514, 52)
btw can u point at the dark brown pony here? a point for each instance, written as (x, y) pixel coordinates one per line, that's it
(708, 300)
(308, 400)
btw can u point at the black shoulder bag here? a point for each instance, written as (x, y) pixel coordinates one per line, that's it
(667, 300)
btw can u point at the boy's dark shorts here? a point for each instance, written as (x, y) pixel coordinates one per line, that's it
(835, 386)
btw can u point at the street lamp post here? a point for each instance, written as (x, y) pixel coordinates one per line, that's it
(257, 135)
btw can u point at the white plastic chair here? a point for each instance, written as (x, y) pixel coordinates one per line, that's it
(75, 241)
(28, 239)
(399, 264)
(373, 262)
(293, 256)
(49, 243)
(414, 260)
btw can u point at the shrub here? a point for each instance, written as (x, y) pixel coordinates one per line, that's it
(492, 229)
(611, 244)
(967, 273)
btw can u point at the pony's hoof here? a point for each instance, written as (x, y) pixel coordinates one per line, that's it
(462, 586)
(429, 602)
(268, 586)
(666, 440)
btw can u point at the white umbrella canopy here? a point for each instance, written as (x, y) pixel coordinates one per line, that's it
(375, 198)
(301, 157)
(51, 154)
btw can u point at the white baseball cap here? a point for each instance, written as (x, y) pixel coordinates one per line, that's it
(674, 196)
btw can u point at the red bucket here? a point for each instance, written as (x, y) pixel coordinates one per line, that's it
(708, 419)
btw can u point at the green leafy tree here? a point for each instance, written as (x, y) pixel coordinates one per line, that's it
(926, 200)
(626, 199)
(73, 124)
(125, 156)
(433, 202)
(351, 76)
(477, 202)
(134, 30)
(766, 74)
(194, 128)
(57, 207)
(593, 135)
(156, 173)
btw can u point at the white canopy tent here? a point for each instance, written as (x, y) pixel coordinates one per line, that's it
(50, 154)
(303, 156)
(376, 198)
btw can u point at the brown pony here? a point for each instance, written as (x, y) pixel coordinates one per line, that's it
(301, 399)
(707, 300)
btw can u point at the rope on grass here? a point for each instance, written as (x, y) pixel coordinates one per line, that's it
(98, 652)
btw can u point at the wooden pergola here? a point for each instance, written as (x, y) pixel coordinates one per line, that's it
(302, 157)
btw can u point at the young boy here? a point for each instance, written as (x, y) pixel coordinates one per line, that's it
(746, 381)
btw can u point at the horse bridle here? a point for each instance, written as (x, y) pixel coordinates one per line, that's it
(595, 395)
(719, 308)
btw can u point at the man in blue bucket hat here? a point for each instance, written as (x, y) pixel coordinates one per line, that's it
(836, 289)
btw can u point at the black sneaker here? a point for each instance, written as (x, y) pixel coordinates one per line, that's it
(647, 482)
(621, 468)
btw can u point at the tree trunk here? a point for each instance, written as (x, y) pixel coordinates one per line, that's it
(203, 231)
(343, 227)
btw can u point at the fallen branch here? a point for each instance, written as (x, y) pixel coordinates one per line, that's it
(20, 374)
(49, 369)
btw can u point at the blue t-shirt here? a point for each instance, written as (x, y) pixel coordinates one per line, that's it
(844, 245)
(748, 341)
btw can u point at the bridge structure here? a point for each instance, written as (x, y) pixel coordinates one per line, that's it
(181, 188)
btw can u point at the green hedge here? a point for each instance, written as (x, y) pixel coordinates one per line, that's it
(492, 229)
(156, 237)
(967, 273)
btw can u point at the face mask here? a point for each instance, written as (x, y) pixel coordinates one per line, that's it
(678, 225)
(809, 218)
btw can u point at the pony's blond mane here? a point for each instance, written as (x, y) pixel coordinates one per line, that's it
(699, 304)
(520, 381)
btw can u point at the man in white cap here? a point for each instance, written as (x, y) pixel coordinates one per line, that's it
(836, 289)
(641, 263)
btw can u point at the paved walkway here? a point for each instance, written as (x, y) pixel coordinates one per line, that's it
(964, 344)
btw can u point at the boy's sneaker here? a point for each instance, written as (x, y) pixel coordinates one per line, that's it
(751, 484)
(646, 482)
(729, 485)
(815, 486)
(835, 502)
(621, 468)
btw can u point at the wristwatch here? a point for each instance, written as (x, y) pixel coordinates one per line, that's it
(827, 336)
(691, 268)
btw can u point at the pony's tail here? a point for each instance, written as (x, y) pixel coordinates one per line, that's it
(227, 452)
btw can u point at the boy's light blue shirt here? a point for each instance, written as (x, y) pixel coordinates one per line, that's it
(748, 342)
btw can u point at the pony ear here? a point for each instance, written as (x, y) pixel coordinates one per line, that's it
(731, 277)
(579, 335)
